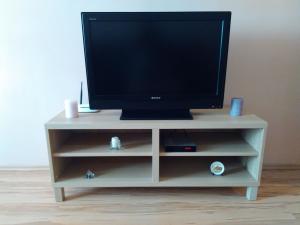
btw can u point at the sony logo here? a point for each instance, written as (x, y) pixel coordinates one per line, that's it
(155, 97)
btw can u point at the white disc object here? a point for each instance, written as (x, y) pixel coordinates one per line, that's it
(85, 108)
(217, 168)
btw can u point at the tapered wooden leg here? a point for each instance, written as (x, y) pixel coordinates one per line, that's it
(251, 193)
(59, 194)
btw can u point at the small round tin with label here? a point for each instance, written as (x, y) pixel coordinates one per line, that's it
(217, 168)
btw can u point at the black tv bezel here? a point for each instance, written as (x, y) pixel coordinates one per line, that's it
(164, 102)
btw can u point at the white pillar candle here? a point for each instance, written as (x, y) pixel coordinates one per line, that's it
(71, 109)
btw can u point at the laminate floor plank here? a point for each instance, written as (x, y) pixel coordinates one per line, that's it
(26, 198)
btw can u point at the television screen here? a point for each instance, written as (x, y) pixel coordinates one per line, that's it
(135, 59)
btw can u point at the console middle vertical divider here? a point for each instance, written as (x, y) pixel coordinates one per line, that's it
(155, 155)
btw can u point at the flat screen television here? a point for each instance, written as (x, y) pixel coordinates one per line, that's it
(156, 65)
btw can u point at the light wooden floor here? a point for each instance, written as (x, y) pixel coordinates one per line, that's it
(26, 198)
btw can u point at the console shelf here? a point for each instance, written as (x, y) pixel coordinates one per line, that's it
(89, 144)
(81, 144)
(194, 172)
(216, 144)
(110, 172)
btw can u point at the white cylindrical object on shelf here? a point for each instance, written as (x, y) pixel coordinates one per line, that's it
(115, 143)
(71, 109)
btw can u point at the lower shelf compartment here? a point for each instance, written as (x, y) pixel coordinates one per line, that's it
(137, 172)
(110, 172)
(195, 172)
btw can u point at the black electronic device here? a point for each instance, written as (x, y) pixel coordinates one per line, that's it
(178, 142)
(156, 65)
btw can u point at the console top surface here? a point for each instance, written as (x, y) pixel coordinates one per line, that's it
(203, 119)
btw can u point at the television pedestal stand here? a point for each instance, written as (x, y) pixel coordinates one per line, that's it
(81, 144)
(175, 114)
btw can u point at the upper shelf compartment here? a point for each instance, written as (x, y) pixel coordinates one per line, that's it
(85, 143)
(212, 143)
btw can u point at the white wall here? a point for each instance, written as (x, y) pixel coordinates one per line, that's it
(42, 63)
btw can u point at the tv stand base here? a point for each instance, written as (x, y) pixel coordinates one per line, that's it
(177, 114)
